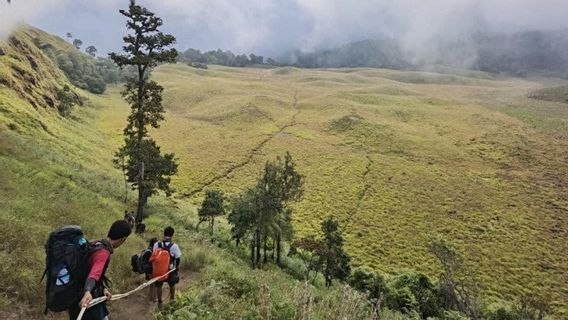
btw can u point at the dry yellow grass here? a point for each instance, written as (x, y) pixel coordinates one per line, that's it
(396, 156)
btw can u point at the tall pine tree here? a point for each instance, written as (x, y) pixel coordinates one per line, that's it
(145, 47)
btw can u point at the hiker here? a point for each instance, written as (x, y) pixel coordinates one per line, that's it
(130, 218)
(173, 258)
(96, 284)
(148, 271)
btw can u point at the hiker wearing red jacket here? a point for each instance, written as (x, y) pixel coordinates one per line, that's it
(97, 284)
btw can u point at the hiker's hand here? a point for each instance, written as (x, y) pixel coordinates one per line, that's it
(108, 295)
(87, 297)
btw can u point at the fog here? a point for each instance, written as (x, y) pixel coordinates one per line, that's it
(275, 27)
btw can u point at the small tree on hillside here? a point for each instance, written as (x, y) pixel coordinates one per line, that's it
(264, 212)
(211, 207)
(77, 43)
(91, 50)
(312, 252)
(243, 215)
(337, 264)
(66, 101)
(458, 289)
(147, 169)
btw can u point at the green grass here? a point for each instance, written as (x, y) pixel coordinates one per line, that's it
(55, 171)
(472, 159)
(397, 157)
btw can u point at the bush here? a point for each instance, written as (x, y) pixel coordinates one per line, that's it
(501, 313)
(413, 292)
(343, 304)
(371, 283)
(235, 284)
(197, 258)
(66, 101)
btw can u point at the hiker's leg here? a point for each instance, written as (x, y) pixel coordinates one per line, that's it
(159, 291)
(151, 293)
(172, 291)
(74, 311)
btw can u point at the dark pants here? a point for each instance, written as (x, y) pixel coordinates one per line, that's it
(98, 312)
(173, 279)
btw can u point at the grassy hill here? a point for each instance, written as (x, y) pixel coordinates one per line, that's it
(396, 157)
(55, 170)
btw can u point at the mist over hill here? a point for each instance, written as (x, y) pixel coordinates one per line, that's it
(543, 53)
(519, 54)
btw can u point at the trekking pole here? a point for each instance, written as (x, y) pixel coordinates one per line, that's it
(96, 301)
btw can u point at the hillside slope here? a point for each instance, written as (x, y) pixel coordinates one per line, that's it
(396, 157)
(58, 171)
(55, 170)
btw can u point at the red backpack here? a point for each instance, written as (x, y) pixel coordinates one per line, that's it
(161, 261)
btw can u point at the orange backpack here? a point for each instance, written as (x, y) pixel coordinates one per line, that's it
(160, 260)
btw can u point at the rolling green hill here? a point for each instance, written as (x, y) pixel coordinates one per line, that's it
(397, 157)
(55, 170)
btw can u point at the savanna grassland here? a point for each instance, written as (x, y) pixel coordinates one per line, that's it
(398, 157)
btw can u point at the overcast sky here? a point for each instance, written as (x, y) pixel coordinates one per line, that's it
(272, 27)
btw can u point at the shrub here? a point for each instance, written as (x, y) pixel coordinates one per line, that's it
(371, 283)
(343, 304)
(413, 292)
(197, 258)
(235, 284)
(66, 101)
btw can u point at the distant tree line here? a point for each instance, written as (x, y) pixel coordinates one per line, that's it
(200, 59)
(84, 70)
(519, 54)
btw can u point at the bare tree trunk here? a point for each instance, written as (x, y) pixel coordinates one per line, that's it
(265, 250)
(377, 308)
(273, 249)
(252, 251)
(278, 248)
(141, 200)
(125, 182)
(140, 136)
(257, 248)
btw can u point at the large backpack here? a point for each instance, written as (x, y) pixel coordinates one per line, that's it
(66, 267)
(162, 261)
(141, 262)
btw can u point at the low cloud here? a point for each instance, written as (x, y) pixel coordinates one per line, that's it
(274, 27)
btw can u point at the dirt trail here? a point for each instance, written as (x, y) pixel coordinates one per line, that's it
(362, 194)
(251, 154)
(139, 307)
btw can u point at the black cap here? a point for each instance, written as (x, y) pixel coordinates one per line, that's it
(119, 229)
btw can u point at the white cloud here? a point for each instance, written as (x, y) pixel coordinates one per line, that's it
(275, 26)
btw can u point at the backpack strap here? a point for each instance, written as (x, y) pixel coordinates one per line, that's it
(162, 245)
(102, 245)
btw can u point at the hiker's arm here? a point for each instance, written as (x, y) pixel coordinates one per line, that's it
(97, 261)
(176, 252)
